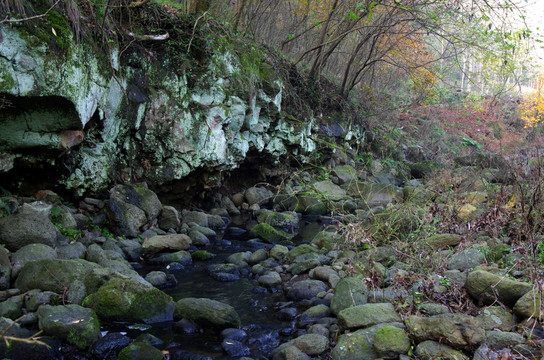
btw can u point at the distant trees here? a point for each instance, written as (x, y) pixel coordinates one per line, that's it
(473, 45)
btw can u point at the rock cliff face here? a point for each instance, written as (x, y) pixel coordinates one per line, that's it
(99, 116)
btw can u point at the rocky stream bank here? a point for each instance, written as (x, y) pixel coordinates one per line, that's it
(375, 278)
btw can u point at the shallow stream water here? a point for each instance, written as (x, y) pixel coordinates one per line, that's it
(255, 305)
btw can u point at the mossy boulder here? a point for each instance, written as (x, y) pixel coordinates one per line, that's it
(77, 325)
(299, 250)
(207, 312)
(140, 351)
(442, 241)
(487, 287)
(429, 350)
(349, 292)
(31, 252)
(390, 342)
(129, 300)
(358, 344)
(361, 316)
(201, 255)
(310, 344)
(55, 274)
(530, 305)
(457, 330)
(310, 204)
(326, 240)
(269, 233)
(286, 221)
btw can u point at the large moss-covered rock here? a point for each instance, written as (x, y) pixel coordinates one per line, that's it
(349, 292)
(31, 252)
(429, 350)
(207, 312)
(530, 305)
(269, 233)
(361, 316)
(442, 241)
(298, 251)
(140, 351)
(310, 344)
(358, 344)
(390, 342)
(487, 287)
(457, 330)
(310, 204)
(55, 274)
(129, 300)
(286, 221)
(73, 323)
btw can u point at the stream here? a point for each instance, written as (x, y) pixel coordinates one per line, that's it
(256, 306)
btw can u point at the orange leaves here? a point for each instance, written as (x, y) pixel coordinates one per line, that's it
(532, 107)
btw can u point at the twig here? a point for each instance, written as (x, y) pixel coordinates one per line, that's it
(194, 29)
(9, 21)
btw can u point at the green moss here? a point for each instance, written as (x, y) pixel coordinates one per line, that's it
(6, 80)
(269, 233)
(125, 299)
(201, 255)
(83, 338)
(140, 351)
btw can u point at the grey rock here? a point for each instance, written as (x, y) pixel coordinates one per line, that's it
(306, 289)
(27, 228)
(258, 195)
(501, 339)
(495, 317)
(77, 292)
(207, 312)
(36, 298)
(156, 278)
(270, 279)
(159, 243)
(169, 218)
(75, 250)
(77, 325)
(310, 344)
(257, 256)
(198, 238)
(466, 259)
(349, 292)
(30, 253)
(11, 308)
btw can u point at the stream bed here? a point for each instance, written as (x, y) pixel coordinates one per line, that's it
(257, 306)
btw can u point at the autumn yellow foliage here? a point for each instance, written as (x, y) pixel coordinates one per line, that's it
(532, 107)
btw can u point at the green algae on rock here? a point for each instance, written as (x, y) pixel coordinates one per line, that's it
(129, 300)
